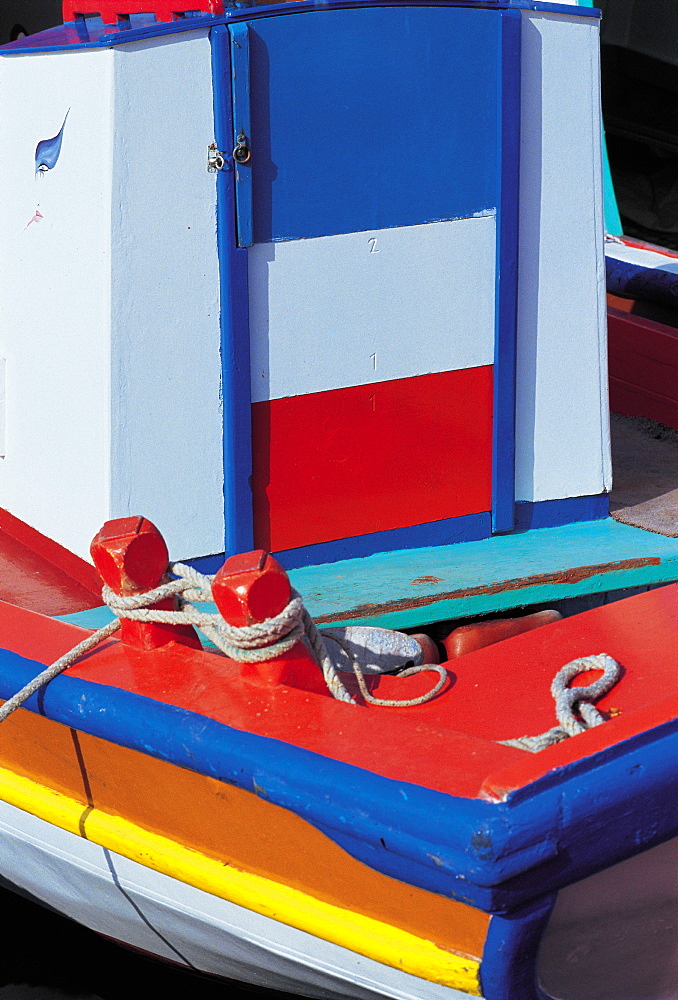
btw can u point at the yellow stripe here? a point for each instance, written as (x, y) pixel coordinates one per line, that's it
(364, 935)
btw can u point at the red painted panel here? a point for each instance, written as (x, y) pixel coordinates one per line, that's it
(112, 10)
(643, 361)
(40, 574)
(371, 458)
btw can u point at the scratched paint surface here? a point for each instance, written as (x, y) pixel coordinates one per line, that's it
(415, 586)
(406, 588)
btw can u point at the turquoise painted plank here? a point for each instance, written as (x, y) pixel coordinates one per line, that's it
(412, 587)
(409, 588)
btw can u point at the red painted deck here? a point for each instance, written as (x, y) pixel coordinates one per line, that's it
(41, 575)
(495, 693)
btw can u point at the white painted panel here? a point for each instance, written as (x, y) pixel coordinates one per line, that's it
(348, 310)
(166, 459)
(562, 433)
(161, 916)
(55, 292)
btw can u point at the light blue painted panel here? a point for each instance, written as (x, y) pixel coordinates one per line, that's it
(371, 118)
(371, 307)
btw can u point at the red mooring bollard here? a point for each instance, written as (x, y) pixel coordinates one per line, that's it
(131, 557)
(252, 587)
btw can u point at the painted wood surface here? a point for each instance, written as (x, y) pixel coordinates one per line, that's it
(436, 158)
(562, 433)
(357, 308)
(113, 11)
(643, 367)
(110, 294)
(408, 588)
(372, 458)
(222, 823)
(404, 589)
(466, 723)
(131, 902)
(41, 575)
(54, 257)
(287, 743)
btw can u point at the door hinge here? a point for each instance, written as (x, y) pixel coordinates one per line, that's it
(216, 160)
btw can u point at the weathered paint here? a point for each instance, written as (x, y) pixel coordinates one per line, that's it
(473, 578)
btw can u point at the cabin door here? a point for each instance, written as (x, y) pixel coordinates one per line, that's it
(368, 193)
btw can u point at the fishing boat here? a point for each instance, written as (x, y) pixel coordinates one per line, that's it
(320, 341)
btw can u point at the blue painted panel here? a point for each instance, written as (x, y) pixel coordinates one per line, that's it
(550, 513)
(372, 118)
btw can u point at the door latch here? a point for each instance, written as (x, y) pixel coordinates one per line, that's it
(216, 160)
(242, 152)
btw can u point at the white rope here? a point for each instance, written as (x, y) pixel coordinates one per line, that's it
(255, 643)
(56, 668)
(573, 699)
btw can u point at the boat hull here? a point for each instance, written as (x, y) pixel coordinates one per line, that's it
(152, 912)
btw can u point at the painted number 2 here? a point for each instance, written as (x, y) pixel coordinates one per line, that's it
(373, 244)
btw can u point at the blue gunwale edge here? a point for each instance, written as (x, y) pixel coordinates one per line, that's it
(59, 38)
(493, 855)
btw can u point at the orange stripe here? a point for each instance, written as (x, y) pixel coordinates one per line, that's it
(228, 824)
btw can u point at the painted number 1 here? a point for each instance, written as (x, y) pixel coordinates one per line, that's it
(373, 244)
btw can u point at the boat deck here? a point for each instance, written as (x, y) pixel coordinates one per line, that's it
(408, 588)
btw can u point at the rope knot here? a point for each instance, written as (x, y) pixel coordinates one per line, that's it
(580, 699)
(571, 699)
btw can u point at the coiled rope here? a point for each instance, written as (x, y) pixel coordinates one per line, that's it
(255, 643)
(571, 700)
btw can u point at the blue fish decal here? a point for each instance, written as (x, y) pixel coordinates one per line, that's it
(47, 151)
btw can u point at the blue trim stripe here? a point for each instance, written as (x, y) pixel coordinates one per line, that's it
(506, 287)
(551, 513)
(234, 319)
(470, 528)
(240, 95)
(451, 531)
(496, 856)
(93, 33)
